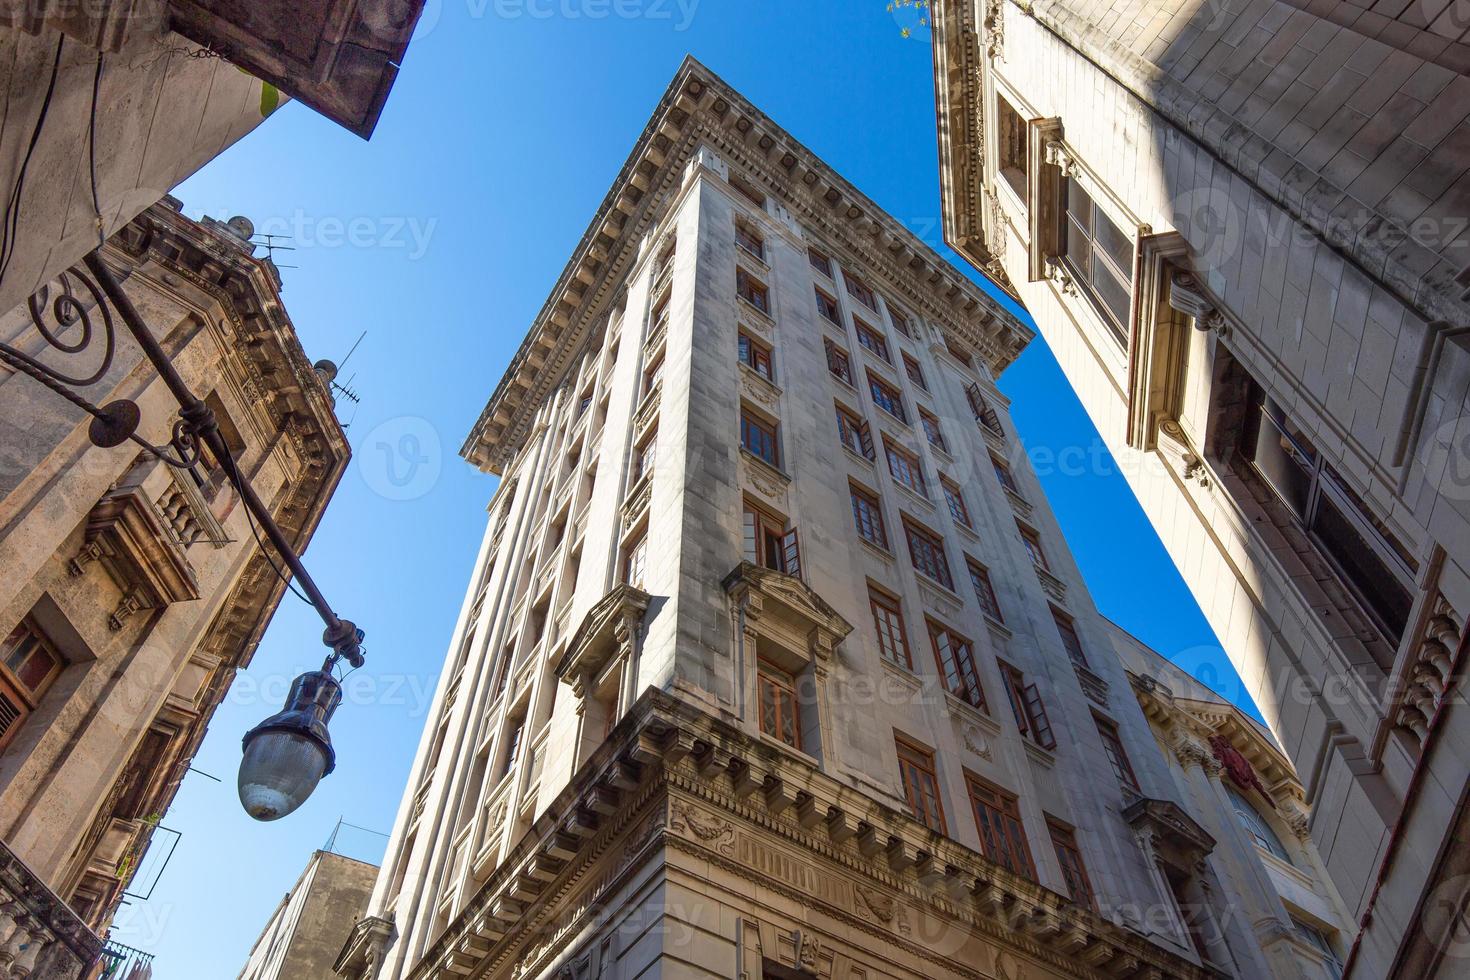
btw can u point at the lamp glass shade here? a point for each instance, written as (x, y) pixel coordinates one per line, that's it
(288, 754)
(279, 771)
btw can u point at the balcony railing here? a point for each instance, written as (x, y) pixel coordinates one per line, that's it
(43, 937)
(121, 962)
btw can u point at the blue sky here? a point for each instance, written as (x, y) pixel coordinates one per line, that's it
(441, 238)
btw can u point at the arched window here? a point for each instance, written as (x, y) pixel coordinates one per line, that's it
(1256, 825)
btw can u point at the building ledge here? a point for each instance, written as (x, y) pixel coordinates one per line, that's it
(43, 936)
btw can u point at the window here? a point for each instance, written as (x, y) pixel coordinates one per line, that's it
(748, 190)
(827, 306)
(981, 409)
(1368, 558)
(747, 238)
(955, 658)
(1004, 475)
(1002, 835)
(1113, 748)
(820, 261)
(905, 468)
(984, 591)
(900, 321)
(513, 746)
(932, 431)
(779, 717)
(920, 784)
(660, 318)
(758, 437)
(886, 397)
(1011, 129)
(752, 291)
(838, 362)
(1070, 640)
(893, 643)
(584, 403)
(1101, 256)
(915, 372)
(956, 501)
(635, 562)
(960, 354)
(644, 456)
(768, 542)
(653, 375)
(1026, 705)
(1074, 872)
(868, 513)
(28, 666)
(870, 339)
(1250, 818)
(1317, 939)
(854, 433)
(1032, 541)
(859, 291)
(755, 355)
(926, 552)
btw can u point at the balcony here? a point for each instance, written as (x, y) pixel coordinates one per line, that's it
(121, 962)
(43, 937)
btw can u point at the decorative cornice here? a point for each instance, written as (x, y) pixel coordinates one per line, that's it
(700, 108)
(671, 775)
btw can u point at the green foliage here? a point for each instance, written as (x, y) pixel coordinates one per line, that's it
(270, 98)
(919, 6)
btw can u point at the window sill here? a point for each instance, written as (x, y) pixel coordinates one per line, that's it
(843, 381)
(765, 467)
(1040, 756)
(878, 362)
(904, 675)
(941, 451)
(948, 602)
(889, 416)
(967, 710)
(766, 390)
(915, 495)
(746, 255)
(768, 318)
(776, 745)
(859, 457)
(968, 531)
(997, 627)
(1019, 503)
(878, 550)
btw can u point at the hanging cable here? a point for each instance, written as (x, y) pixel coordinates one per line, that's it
(92, 150)
(12, 208)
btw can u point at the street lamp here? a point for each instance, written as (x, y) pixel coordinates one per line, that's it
(287, 754)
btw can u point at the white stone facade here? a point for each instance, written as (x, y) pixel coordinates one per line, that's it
(604, 788)
(1286, 185)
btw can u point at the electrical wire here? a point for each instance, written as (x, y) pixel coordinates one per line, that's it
(92, 150)
(264, 550)
(12, 208)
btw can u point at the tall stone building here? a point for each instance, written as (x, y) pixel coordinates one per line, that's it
(132, 591)
(771, 665)
(307, 929)
(1240, 225)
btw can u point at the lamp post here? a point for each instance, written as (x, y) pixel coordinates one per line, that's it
(287, 754)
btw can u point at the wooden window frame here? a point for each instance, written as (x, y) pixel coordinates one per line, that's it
(751, 241)
(1083, 272)
(932, 542)
(635, 559)
(774, 720)
(20, 692)
(989, 601)
(769, 431)
(888, 623)
(1005, 475)
(854, 433)
(753, 291)
(819, 260)
(755, 354)
(915, 371)
(1067, 627)
(916, 767)
(867, 515)
(1000, 825)
(826, 301)
(860, 290)
(901, 321)
(932, 431)
(760, 528)
(1112, 742)
(955, 499)
(887, 398)
(1012, 148)
(1069, 856)
(954, 658)
(1027, 707)
(872, 341)
(1031, 539)
(747, 190)
(910, 474)
(838, 357)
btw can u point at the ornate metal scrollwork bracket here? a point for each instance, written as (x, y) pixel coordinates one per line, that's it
(73, 317)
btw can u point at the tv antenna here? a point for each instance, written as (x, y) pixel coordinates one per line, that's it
(329, 370)
(268, 242)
